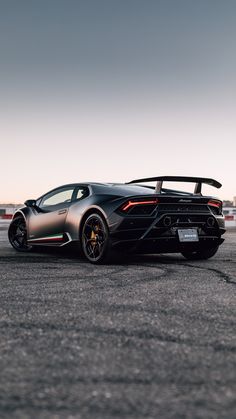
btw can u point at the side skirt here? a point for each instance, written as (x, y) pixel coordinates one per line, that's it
(57, 240)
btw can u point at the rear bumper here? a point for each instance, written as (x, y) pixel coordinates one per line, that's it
(145, 235)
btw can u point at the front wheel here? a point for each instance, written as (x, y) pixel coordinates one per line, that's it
(95, 239)
(17, 235)
(201, 254)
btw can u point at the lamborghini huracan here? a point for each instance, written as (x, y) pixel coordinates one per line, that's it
(105, 219)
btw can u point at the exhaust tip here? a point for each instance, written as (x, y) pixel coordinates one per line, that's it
(210, 221)
(167, 221)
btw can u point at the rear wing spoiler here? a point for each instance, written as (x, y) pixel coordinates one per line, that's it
(198, 180)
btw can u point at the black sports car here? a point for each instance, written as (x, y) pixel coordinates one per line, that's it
(106, 218)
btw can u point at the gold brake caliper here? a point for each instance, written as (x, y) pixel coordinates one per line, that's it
(93, 236)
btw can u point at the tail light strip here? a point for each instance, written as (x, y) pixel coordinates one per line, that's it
(131, 204)
(216, 204)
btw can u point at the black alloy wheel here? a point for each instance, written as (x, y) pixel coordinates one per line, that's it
(201, 254)
(17, 235)
(95, 239)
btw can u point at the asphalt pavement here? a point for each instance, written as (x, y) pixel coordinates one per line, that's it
(151, 337)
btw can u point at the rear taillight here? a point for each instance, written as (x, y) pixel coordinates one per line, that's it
(127, 206)
(216, 206)
(214, 203)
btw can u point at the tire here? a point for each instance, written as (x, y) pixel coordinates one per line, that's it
(201, 254)
(95, 239)
(17, 235)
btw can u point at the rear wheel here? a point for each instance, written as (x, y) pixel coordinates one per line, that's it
(17, 235)
(201, 254)
(95, 239)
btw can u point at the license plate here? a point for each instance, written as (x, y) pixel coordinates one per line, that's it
(188, 235)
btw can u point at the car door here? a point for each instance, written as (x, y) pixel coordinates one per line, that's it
(47, 221)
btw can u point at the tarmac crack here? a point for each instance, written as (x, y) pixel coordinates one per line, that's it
(220, 273)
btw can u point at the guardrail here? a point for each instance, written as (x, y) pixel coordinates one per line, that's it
(6, 216)
(230, 220)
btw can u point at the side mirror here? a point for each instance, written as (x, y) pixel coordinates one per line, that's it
(30, 203)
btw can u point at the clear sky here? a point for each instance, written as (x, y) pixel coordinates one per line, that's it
(112, 90)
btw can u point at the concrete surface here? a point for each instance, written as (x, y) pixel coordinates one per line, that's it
(153, 337)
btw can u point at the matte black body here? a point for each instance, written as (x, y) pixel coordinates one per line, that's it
(154, 232)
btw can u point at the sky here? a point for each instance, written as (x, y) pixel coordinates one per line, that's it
(113, 90)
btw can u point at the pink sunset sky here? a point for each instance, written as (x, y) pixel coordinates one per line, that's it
(112, 91)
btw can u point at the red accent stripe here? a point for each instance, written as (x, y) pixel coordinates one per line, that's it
(49, 239)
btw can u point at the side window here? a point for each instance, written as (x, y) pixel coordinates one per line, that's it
(81, 193)
(56, 198)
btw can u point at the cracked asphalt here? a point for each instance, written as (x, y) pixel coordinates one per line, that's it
(153, 337)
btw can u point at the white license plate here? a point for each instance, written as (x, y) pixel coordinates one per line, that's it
(188, 235)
